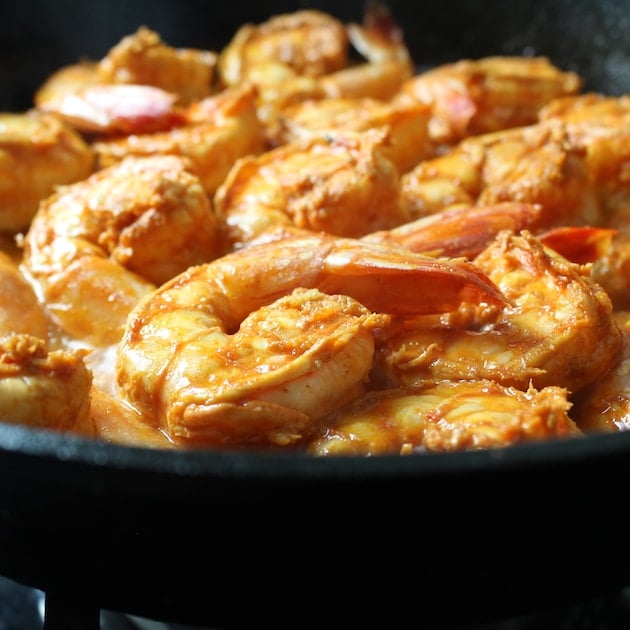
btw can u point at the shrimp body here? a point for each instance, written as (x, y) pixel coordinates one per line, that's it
(37, 153)
(408, 139)
(214, 133)
(138, 59)
(101, 243)
(444, 416)
(340, 184)
(39, 386)
(557, 329)
(472, 97)
(536, 164)
(142, 58)
(285, 330)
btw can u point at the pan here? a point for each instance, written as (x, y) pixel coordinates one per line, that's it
(232, 539)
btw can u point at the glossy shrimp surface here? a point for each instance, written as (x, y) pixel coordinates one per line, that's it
(39, 386)
(286, 332)
(477, 96)
(37, 153)
(97, 245)
(604, 406)
(341, 184)
(139, 59)
(557, 328)
(213, 133)
(444, 416)
(408, 136)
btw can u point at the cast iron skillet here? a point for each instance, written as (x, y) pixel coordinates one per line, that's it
(240, 540)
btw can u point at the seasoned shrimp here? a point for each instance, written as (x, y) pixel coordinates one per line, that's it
(306, 54)
(286, 333)
(472, 97)
(340, 183)
(39, 386)
(37, 153)
(537, 164)
(140, 59)
(600, 125)
(116, 109)
(557, 328)
(444, 416)
(408, 141)
(217, 131)
(604, 406)
(96, 246)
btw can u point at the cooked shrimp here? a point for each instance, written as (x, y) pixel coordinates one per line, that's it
(285, 330)
(140, 59)
(338, 183)
(604, 406)
(472, 97)
(459, 230)
(600, 125)
(116, 109)
(306, 54)
(536, 164)
(37, 153)
(408, 141)
(38, 386)
(444, 416)
(557, 328)
(96, 246)
(217, 131)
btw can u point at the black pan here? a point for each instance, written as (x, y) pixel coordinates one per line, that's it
(249, 540)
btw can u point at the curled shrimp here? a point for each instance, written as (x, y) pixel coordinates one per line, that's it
(444, 416)
(139, 59)
(600, 126)
(285, 330)
(557, 328)
(408, 138)
(143, 58)
(95, 247)
(341, 184)
(37, 153)
(472, 97)
(306, 54)
(537, 164)
(39, 386)
(213, 134)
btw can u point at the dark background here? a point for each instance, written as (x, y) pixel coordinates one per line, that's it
(587, 36)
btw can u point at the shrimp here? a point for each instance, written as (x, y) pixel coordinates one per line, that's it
(286, 332)
(142, 58)
(306, 54)
(557, 328)
(408, 142)
(338, 183)
(473, 97)
(600, 126)
(537, 164)
(39, 386)
(95, 247)
(139, 59)
(444, 416)
(216, 132)
(604, 406)
(37, 153)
